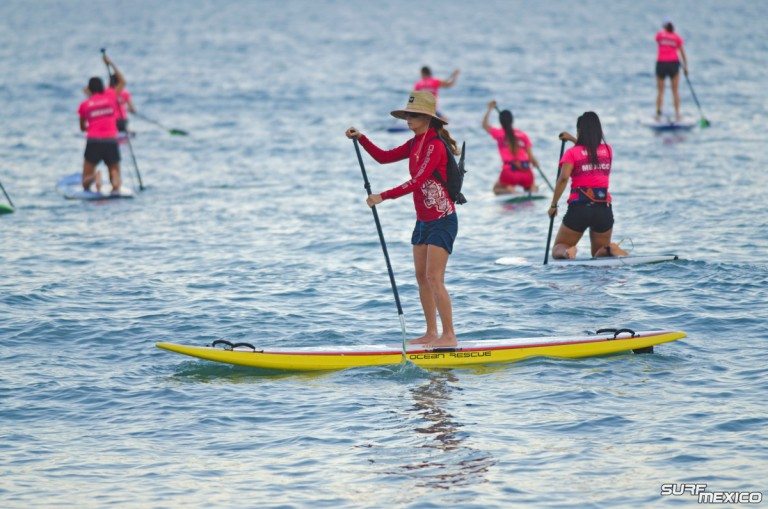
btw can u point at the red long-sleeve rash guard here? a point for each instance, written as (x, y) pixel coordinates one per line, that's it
(430, 198)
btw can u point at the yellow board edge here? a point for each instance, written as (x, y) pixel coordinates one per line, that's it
(424, 359)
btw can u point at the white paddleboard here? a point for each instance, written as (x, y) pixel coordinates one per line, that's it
(71, 188)
(606, 261)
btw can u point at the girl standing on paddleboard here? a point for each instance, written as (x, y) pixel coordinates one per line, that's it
(98, 119)
(436, 221)
(516, 153)
(668, 66)
(588, 166)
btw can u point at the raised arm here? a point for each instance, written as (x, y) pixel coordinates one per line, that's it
(120, 85)
(486, 124)
(451, 79)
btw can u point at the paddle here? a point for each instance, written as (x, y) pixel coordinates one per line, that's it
(551, 188)
(703, 122)
(174, 132)
(6, 196)
(128, 137)
(383, 245)
(552, 219)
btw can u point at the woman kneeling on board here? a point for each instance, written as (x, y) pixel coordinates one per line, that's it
(516, 154)
(588, 165)
(436, 221)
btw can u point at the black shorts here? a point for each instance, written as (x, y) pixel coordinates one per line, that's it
(440, 232)
(598, 217)
(102, 150)
(667, 69)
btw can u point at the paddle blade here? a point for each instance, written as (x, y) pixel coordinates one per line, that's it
(178, 132)
(704, 122)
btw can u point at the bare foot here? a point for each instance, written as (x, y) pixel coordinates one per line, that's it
(444, 341)
(570, 253)
(423, 340)
(615, 250)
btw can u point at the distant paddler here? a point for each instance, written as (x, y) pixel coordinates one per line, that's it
(432, 84)
(670, 53)
(588, 166)
(98, 119)
(516, 152)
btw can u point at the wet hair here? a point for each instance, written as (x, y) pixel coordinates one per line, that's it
(506, 119)
(669, 27)
(426, 71)
(95, 85)
(113, 80)
(589, 134)
(444, 134)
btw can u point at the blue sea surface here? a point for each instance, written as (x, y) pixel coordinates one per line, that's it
(254, 228)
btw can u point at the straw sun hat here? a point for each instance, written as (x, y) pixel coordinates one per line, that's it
(422, 102)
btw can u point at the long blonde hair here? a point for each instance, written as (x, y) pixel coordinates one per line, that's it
(444, 134)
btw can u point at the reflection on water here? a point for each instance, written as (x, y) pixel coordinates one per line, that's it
(445, 460)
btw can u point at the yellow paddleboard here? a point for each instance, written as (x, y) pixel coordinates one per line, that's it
(466, 354)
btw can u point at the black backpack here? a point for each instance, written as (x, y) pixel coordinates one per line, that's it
(455, 172)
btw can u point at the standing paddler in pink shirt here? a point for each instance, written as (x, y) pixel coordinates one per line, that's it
(431, 84)
(670, 54)
(98, 119)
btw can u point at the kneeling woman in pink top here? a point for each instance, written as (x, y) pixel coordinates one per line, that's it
(436, 222)
(516, 153)
(588, 166)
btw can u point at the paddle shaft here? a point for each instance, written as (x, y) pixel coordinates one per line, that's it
(383, 243)
(128, 134)
(6, 195)
(695, 99)
(552, 219)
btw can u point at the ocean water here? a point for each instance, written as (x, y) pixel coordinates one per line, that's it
(254, 228)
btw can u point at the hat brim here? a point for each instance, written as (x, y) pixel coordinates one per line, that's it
(401, 115)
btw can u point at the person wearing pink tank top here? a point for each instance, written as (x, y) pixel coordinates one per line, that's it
(588, 166)
(670, 53)
(432, 84)
(98, 119)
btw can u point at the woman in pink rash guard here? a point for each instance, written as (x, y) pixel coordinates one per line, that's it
(436, 222)
(98, 119)
(668, 66)
(588, 166)
(516, 153)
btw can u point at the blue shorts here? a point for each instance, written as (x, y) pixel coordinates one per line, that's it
(440, 232)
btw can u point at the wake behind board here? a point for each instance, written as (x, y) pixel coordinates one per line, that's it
(468, 353)
(70, 187)
(606, 261)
